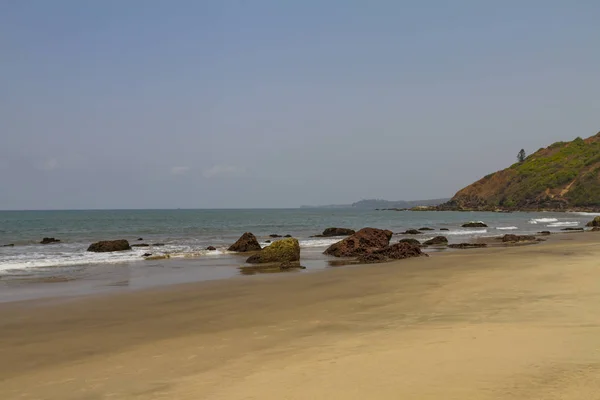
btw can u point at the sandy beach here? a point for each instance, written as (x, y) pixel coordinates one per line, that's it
(500, 323)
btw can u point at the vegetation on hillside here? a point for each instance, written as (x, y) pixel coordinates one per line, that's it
(565, 174)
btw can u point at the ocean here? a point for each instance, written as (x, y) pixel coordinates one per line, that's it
(186, 234)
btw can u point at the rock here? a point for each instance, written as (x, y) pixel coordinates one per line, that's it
(8, 245)
(545, 233)
(594, 222)
(49, 240)
(438, 240)
(474, 224)
(412, 232)
(467, 245)
(444, 229)
(109, 245)
(282, 251)
(363, 241)
(412, 241)
(211, 248)
(274, 235)
(572, 229)
(397, 251)
(247, 242)
(518, 238)
(267, 241)
(594, 229)
(140, 245)
(146, 254)
(140, 238)
(158, 244)
(426, 229)
(330, 232)
(287, 236)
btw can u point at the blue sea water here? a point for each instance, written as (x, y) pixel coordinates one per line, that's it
(187, 233)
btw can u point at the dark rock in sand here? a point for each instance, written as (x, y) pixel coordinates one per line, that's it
(518, 238)
(467, 245)
(594, 222)
(287, 236)
(140, 245)
(158, 244)
(412, 232)
(444, 229)
(438, 240)
(211, 248)
(545, 233)
(572, 229)
(282, 251)
(412, 241)
(331, 232)
(246, 243)
(426, 229)
(49, 240)
(8, 245)
(140, 238)
(397, 251)
(274, 235)
(474, 225)
(109, 245)
(146, 254)
(267, 241)
(363, 241)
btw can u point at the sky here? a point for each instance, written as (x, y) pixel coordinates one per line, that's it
(245, 104)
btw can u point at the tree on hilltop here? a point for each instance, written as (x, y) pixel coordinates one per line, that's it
(521, 156)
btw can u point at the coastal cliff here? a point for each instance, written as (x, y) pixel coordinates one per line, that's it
(563, 176)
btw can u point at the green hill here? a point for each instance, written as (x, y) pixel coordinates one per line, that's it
(562, 176)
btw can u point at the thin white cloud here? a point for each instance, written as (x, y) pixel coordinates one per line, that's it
(224, 171)
(179, 170)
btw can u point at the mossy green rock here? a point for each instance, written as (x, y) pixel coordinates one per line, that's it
(594, 222)
(282, 251)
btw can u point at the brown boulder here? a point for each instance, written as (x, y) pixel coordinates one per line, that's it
(330, 232)
(438, 240)
(412, 232)
(476, 224)
(211, 248)
(247, 242)
(49, 240)
(109, 245)
(397, 251)
(412, 241)
(518, 238)
(363, 241)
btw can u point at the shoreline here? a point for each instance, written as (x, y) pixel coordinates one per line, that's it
(482, 324)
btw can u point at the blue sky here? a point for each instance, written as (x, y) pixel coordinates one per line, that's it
(127, 104)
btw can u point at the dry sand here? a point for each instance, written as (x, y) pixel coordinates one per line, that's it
(515, 323)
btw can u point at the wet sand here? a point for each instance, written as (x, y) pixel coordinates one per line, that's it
(501, 323)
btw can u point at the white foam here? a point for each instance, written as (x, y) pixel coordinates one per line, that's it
(319, 242)
(586, 214)
(542, 220)
(465, 232)
(565, 223)
(507, 228)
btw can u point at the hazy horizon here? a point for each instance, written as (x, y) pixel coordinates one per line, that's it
(221, 105)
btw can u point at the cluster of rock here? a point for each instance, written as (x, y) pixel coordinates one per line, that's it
(518, 238)
(467, 245)
(49, 240)
(474, 224)
(105, 246)
(370, 245)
